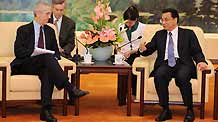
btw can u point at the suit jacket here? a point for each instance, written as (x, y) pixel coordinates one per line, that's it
(134, 35)
(67, 34)
(25, 41)
(188, 48)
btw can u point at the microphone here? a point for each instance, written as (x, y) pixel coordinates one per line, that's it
(77, 57)
(117, 48)
(129, 42)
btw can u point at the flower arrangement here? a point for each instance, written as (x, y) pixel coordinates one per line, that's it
(102, 32)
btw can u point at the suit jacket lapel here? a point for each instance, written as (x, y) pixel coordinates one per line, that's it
(46, 37)
(62, 29)
(32, 35)
(180, 38)
(164, 40)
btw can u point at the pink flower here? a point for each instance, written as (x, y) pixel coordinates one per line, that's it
(99, 11)
(107, 34)
(102, 34)
(89, 37)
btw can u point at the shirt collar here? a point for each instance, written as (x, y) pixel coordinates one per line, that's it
(36, 25)
(134, 27)
(54, 18)
(174, 31)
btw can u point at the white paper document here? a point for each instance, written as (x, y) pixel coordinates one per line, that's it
(39, 51)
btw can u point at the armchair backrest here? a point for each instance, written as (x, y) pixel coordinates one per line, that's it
(8, 35)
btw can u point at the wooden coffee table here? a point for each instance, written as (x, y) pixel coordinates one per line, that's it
(124, 72)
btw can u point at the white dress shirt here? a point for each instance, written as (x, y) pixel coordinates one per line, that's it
(175, 43)
(58, 23)
(36, 32)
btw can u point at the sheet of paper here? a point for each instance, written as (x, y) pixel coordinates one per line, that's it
(39, 51)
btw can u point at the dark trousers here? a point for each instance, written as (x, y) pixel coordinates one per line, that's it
(182, 74)
(49, 71)
(130, 61)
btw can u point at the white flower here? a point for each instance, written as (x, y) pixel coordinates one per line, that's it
(122, 27)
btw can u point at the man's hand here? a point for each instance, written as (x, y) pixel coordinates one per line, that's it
(127, 54)
(202, 66)
(142, 47)
(61, 50)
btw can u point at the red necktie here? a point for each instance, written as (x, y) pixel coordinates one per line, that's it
(40, 41)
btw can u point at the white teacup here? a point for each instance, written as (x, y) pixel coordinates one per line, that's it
(119, 58)
(88, 58)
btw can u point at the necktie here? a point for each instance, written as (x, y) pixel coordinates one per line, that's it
(56, 24)
(40, 41)
(171, 57)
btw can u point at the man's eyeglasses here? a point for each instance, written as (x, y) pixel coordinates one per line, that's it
(165, 20)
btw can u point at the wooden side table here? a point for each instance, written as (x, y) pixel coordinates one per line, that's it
(215, 107)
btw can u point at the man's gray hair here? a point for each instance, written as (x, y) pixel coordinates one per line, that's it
(39, 5)
(58, 1)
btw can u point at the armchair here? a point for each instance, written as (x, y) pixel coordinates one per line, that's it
(25, 88)
(146, 93)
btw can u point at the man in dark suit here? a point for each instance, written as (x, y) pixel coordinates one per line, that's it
(39, 36)
(65, 27)
(176, 49)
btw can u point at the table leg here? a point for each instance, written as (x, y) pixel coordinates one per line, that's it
(77, 99)
(129, 100)
(122, 86)
(119, 84)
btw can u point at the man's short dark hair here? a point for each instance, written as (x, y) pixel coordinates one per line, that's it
(131, 13)
(174, 13)
(58, 1)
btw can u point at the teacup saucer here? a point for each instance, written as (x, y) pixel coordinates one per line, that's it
(118, 63)
(87, 62)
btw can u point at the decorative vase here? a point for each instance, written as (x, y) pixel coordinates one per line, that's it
(101, 53)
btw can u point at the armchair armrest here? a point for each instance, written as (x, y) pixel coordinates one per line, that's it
(204, 76)
(68, 65)
(141, 62)
(209, 71)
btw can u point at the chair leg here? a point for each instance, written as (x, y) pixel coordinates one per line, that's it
(3, 110)
(202, 108)
(4, 101)
(141, 108)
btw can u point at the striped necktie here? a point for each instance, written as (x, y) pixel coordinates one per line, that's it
(56, 24)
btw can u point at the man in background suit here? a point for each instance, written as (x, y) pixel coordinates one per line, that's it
(65, 27)
(30, 38)
(176, 49)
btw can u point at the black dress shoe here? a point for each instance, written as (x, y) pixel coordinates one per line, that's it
(75, 93)
(189, 116)
(46, 115)
(165, 114)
